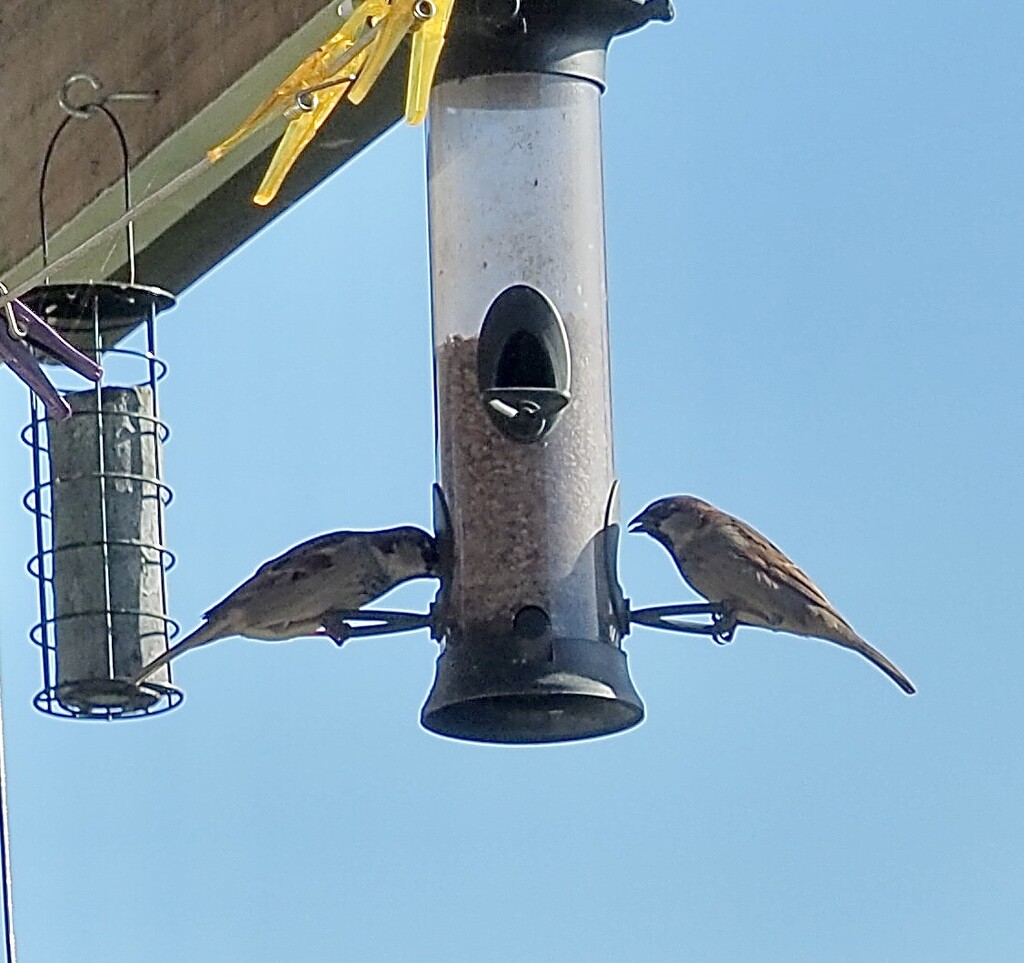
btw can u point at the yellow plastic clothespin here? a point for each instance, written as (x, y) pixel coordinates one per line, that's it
(427, 20)
(348, 64)
(427, 42)
(396, 22)
(318, 68)
(300, 132)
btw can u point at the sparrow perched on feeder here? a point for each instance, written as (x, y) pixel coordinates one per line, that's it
(732, 565)
(295, 594)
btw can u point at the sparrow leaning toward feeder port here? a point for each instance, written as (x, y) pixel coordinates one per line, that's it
(732, 565)
(294, 594)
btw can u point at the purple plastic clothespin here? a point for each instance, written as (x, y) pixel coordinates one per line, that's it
(21, 327)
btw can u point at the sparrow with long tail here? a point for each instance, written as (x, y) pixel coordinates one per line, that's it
(732, 565)
(295, 594)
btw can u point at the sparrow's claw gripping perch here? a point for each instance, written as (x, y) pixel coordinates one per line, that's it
(337, 629)
(724, 628)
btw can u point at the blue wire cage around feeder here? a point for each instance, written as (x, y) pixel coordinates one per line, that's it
(98, 495)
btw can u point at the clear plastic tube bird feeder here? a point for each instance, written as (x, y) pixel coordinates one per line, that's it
(531, 614)
(98, 497)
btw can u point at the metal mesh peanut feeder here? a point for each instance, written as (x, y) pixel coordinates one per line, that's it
(98, 497)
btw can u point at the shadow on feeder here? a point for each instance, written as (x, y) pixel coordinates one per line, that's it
(98, 495)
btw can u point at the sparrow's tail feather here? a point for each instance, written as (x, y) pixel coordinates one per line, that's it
(207, 632)
(853, 641)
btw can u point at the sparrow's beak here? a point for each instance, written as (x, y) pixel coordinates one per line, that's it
(639, 524)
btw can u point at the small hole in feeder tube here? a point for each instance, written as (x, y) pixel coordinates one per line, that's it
(531, 622)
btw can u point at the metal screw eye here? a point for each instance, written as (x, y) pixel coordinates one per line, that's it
(81, 111)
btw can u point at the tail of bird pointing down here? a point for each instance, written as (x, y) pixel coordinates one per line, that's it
(205, 633)
(855, 642)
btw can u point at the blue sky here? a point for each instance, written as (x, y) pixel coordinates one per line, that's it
(814, 237)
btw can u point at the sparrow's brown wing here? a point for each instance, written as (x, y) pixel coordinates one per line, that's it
(273, 604)
(779, 566)
(282, 573)
(733, 563)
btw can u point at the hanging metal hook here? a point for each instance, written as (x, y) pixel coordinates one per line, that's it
(86, 111)
(83, 110)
